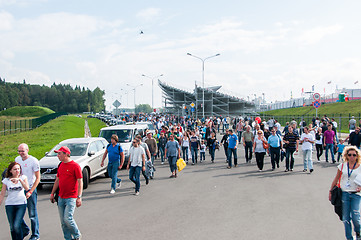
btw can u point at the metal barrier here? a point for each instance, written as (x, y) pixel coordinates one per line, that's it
(14, 126)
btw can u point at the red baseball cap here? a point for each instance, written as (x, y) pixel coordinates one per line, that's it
(63, 149)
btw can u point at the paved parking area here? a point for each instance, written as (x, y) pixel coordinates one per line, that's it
(206, 201)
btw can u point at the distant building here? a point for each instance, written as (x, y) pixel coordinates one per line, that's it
(178, 101)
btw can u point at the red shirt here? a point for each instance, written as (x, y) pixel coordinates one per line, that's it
(68, 174)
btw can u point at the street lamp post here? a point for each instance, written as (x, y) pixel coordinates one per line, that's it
(152, 78)
(133, 88)
(203, 60)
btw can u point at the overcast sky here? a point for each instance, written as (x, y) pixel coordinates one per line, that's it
(271, 47)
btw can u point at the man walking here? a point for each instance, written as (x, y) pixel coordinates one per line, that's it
(329, 139)
(115, 162)
(136, 163)
(275, 145)
(232, 148)
(172, 152)
(31, 169)
(307, 141)
(291, 141)
(70, 184)
(248, 138)
(152, 145)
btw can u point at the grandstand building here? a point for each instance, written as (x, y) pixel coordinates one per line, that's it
(178, 101)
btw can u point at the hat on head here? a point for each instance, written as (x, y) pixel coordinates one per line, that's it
(63, 149)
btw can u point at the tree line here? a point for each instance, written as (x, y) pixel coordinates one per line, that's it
(58, 97)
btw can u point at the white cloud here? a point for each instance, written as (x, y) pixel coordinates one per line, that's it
(315, 35)
(19, 2)
(148, 14)
(6, 21)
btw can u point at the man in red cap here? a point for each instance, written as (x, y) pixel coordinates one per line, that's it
(70, 184)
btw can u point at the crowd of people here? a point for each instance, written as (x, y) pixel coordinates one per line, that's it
(177, 137)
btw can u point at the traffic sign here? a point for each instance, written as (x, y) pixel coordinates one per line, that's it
(192, 105)
(316, 104)
(116, 103)
(316, 96)
(192, 109)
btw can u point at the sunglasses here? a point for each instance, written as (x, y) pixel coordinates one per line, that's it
(351, 155)
(134, 142)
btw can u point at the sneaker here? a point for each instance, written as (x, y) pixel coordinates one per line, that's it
(291, 170)
(229, 167)
(304, 170)
(162, 163)
(192, 163)
(235, 165)
(259, 170)
(146, 181)
(112, 191)
(286, 170)
(119, 184)
(136, 194)
(311, 170)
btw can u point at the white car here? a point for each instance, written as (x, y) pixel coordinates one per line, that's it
(87, 152)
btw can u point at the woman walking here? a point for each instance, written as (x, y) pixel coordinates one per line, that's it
(15, 204)
(259, 150)
(185, 146)
(351, 196)
(212, 143)
(319, 143)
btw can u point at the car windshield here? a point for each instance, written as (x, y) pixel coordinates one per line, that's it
(76, 149)
(124, 135)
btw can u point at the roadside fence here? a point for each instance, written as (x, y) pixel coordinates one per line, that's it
(15, 126)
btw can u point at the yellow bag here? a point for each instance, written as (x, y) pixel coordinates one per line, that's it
(181, 164)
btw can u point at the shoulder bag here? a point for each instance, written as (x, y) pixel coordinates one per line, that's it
(336, 197)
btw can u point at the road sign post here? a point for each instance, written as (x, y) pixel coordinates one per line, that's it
(316, 104)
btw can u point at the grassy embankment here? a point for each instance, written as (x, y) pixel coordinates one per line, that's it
(26, 112)
(42, 139)
(340, 111)
(344, 108)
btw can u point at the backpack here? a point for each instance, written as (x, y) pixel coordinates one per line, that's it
(118, 147)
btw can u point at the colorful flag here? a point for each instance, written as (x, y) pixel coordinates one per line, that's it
(329, 82)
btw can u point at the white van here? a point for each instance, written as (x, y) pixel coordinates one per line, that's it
(125, 133)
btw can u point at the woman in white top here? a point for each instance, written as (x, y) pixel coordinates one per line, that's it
(351, 196)
(319, 143)
(15, 204)
(185, 146)
(259, 150)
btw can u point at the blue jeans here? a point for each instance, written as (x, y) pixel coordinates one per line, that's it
(351, 211)
(161, 150)
(212, 152)
(15, 214)
(185, 153)
(229, 157)
(33, 214)
(248, 151)
(275, 156)
(329, 146)
(172, 163)
(134, 176)
(289, 154)
(113, 173)
(66, 207)
(194, 152)
(202, 156)
(307, 159)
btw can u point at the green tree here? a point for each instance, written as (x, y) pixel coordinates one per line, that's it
(145, 108)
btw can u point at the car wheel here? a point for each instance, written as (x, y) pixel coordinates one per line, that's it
(85, 178)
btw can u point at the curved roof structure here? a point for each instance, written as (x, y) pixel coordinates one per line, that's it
(215, 103)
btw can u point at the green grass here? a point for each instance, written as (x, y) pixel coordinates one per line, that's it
(26, 111)
(40, 140)
(343, 108)
(95, 125)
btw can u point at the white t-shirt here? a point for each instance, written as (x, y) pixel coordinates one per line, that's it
(16, 194)
(344, 178)
(307, 145)
(136, 158)
(29, 167)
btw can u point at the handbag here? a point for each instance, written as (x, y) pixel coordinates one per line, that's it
(336, 197)
(265, 145)
(181, 164)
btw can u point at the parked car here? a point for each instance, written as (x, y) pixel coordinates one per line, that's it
(125, 133)
(87, 152)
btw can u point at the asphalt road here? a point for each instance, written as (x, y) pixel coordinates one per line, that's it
(206, 201)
